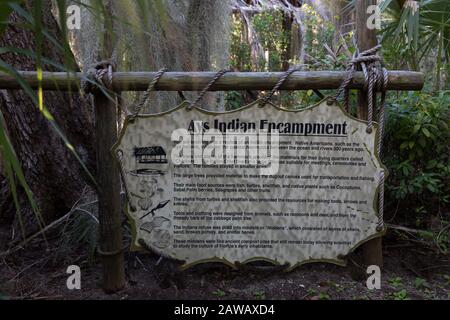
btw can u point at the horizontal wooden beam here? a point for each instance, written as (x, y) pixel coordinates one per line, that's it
(195, 81)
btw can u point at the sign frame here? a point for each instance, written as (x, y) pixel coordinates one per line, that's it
(341, 259)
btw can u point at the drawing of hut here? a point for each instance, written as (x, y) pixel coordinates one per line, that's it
(148, 155)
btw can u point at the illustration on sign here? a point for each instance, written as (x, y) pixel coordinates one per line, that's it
(192, 197)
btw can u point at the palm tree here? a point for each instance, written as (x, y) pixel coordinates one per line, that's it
(417, 29)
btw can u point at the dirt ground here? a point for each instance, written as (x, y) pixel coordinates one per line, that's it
(409, 272)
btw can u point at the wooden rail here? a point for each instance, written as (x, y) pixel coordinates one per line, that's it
(195, 81)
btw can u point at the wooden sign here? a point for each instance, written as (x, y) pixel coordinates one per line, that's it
(288, 187)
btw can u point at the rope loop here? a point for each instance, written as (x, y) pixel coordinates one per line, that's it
(98, 75)
(370, 63)
(113, 253)
(145, 96)
(278, 85)
(218, 75)
(376, 80)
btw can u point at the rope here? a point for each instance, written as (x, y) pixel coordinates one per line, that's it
(119, 155)
(381, 115)
(138, 107)
(218, 75)
(380, 223)
(344, 87)
(381, 111)
(278, 85)
(367, 59)
(112, 253)
(98, 75)
(376, 80)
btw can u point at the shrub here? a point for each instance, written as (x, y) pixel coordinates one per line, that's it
(416, 152)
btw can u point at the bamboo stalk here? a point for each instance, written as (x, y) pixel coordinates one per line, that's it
(195, 81)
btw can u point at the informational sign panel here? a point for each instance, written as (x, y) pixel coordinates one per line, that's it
(258, 183)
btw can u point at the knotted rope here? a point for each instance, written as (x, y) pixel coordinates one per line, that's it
(376, 80)
(218, 75)
(101, 74)
(98, 75)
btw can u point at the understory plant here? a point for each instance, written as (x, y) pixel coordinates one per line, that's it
(416, 152)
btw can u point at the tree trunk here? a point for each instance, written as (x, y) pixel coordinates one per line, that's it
(287, 53)
(52, 172)
(292, 52)
(204, 20)
(339, 20)
(149, 35)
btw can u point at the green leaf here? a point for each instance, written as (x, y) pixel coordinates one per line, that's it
(384, 5)
(426, 132)
(405, 171)
(401, 295)
(13, 170)
(5, 11)
(219, 293)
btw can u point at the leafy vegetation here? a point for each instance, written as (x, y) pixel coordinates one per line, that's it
(324, 296)
(421, 283)
(271, 36)
(400, 295)
(219, 293)
(447, 280)
(260, 295)
(416, 152)
(396, 282)
(417, 30)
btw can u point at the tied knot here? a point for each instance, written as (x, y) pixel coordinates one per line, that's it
(370, 63)
(375, 76)
(98, 75)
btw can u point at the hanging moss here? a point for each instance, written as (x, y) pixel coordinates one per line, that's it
(181, 35)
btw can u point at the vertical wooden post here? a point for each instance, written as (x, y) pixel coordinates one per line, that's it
(111, 244)
(108, 178)
(366, 39)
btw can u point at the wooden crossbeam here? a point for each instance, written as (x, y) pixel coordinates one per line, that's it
(195, 81)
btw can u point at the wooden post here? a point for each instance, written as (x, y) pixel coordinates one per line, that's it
(108, 177)
(111, 243)
(366, 39)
